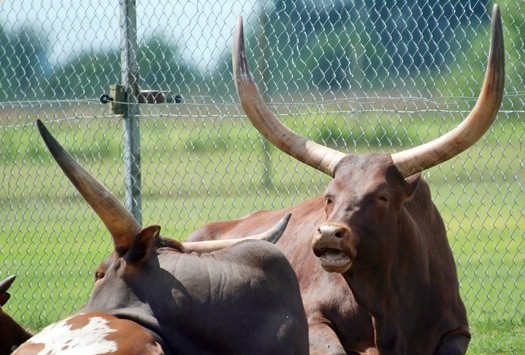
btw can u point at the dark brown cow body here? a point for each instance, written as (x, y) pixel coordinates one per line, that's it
(377, 226)
(92, 333)
(394, 254)
(200, 298)
(12, 334)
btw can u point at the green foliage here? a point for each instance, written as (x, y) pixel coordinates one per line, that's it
(87, 76)
(22, 62)
(161, 67)
(91, 74)
(468, 67)
(350, 58)
(319, 48)
(363, 44)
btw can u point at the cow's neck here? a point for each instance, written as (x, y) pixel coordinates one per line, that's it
(387, 290)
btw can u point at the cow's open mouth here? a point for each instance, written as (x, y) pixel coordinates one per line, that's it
(334, 260)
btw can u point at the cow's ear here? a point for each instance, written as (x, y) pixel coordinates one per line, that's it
(4, 297)
(142, 245)
(411, 184)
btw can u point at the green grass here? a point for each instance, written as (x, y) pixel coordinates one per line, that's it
(195, 171)
(497, 337)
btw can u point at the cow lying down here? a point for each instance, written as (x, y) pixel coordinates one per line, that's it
(12, 334)
(374, 244)
(211, 297)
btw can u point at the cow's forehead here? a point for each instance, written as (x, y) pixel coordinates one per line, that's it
(68, 337)
(358, 174)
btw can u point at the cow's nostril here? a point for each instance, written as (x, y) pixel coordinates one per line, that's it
(331, 231)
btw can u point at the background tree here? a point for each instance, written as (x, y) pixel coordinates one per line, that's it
(369, 40)
(90, 74)
(23, 62)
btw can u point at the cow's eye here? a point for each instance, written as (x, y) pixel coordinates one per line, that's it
(99, 275)
(328, 200)
(384, 198)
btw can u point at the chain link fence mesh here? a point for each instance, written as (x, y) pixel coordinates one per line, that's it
(360, 76)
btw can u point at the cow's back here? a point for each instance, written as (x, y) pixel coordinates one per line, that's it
(273, 299)
(243, 299)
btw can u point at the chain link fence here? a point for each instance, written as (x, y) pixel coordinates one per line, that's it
(360, 76)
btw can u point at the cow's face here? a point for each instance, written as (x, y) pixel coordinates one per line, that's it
(362, 205)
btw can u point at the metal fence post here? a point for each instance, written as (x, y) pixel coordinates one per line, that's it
(128, 48)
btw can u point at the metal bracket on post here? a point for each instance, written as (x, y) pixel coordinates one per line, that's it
(117, 106)
(116, 98)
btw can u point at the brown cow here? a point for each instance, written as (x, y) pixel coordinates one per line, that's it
(12, 333)
(211, 297)
(376, 224)
(92, 333)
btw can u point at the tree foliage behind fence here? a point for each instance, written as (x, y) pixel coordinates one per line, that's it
(361, 76)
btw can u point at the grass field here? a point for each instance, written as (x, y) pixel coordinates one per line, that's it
(195, 171)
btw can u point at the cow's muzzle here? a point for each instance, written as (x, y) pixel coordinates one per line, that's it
(335, 246)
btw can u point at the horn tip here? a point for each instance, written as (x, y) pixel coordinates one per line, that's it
(239, 33)
(241, 69)
(40, 125)
(48, 138)
(283, 223)
(7, 282)
(497, 51)
(287, 217)
(495, 10)
(496, 18)
(10, 279)
(44, 133)
(497, 27)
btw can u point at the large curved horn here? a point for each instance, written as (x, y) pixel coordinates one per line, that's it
(317, 156)
(118, 220)
(206, 246)
(6, 283)
(430, 154)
